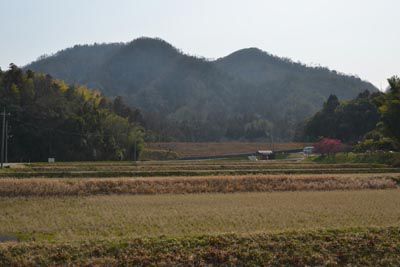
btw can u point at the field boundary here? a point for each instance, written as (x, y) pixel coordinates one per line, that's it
(366, 247)
(86, 187)
(110, 174)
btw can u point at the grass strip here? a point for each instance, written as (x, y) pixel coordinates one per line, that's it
(85, 187)
(354, 247)
(87, 174)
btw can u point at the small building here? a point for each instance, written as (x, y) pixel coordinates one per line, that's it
(265, 154)
(308, 150)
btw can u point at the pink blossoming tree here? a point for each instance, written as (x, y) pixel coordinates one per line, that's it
(327, 146)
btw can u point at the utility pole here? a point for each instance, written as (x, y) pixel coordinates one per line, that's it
(272, 140)
(271, 136)
(2, 136)
(134, 152)
(6, 150)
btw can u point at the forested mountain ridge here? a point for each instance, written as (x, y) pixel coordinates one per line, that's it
(249, 94)
(263, 69)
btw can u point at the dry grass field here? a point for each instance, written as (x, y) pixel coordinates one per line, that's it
(192, 166)
(189, 185)
(187, 169)
(109, 217)
(222, 148)
(200, 213)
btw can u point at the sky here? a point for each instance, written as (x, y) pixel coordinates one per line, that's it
(358, 37)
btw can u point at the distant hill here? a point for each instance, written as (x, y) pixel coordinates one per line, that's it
(249, 94)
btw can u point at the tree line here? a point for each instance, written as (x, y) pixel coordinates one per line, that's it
(369, 122)
(49, 118)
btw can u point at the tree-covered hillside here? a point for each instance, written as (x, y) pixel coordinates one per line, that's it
(246, 95)
(49, 118)
(372, 121)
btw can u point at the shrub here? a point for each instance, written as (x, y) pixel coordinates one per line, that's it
(381, 157)
(382, 144)
(328, 146)
(158, 154)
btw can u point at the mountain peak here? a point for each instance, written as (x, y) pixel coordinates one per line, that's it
(150, 43)
(250, 50)
(248, 53)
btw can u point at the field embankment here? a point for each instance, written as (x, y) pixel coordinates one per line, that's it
(188, 169)
(367, 247)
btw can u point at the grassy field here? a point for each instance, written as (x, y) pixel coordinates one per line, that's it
(192, 166)
(187, 168)
(11, 187)
(108, 217)
(197, 213)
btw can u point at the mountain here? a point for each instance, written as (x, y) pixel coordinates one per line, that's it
(260, 68)
(249, 94)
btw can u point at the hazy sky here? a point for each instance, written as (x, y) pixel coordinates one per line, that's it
(359, 37)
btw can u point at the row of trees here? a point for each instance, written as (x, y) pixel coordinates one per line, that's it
(371, 121)
(49, 118)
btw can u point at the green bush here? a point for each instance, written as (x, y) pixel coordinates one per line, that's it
(155, 154)
(389, 158)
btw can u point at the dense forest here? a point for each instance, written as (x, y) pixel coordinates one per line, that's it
(247, 95)
(371, 121)
(49, 118)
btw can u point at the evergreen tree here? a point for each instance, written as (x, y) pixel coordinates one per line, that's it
(52, 119)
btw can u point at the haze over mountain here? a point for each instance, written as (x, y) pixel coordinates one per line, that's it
(248, 94)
